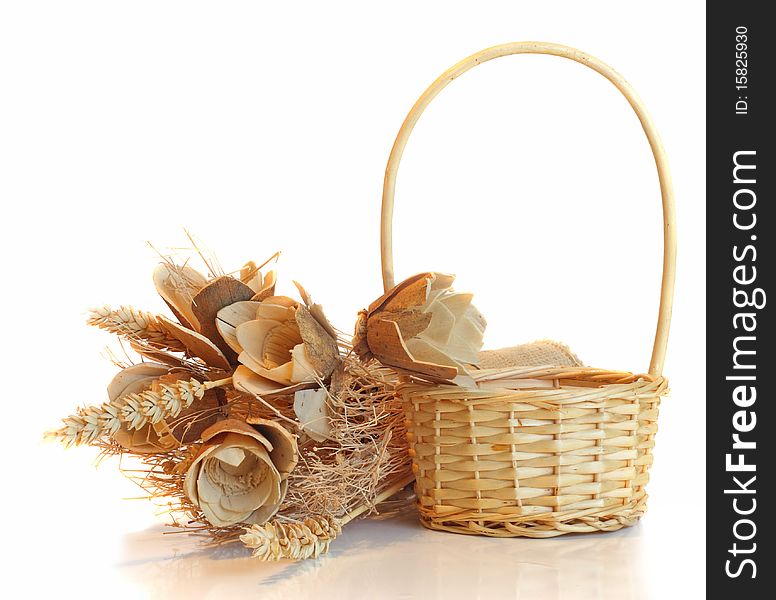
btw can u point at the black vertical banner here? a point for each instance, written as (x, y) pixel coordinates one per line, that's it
(741, 421)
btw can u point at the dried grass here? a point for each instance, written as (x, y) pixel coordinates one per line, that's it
(368, 453)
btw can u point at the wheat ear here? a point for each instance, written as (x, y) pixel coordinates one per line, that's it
(133, 324)
(134, 411)
(296, 540)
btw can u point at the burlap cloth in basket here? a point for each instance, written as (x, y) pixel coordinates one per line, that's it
(535, 354)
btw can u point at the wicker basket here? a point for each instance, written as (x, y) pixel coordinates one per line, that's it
(536, 451)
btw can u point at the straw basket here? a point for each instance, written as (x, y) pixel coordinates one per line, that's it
(536, 451)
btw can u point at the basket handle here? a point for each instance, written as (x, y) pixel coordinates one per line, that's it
(666, 190)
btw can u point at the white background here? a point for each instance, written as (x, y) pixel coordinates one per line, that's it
(264, 127)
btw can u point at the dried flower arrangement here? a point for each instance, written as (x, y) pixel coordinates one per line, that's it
(249, 414)
(258, 420)
(254, 419)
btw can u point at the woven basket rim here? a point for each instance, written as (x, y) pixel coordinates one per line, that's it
(547, 385)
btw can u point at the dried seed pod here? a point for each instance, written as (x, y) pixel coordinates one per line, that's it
(422, 326)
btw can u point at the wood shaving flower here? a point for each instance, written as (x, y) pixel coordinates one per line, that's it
(196, 302)
(241, 473)
(281, 345)
(423, 326)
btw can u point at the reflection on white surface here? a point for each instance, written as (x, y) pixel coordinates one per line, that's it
(395, 559)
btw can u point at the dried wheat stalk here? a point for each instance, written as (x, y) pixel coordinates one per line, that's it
(162, 401)
(296, 540)
(134, 324)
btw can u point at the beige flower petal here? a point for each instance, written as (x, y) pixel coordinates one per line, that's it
(252, 337)
(302, 370)
(218, 516)
(280, 301)
(440, 281)
(246, 380)
(410, 293)
(273, 312)
(208, 491)
(140, 441)
(422, 351)
(248, 362)
(250, 275)
(210, 496)
(197, 344)
(135, 378)
(266, 492)
(280, 375)
(279, 343)
(263, 286)
(231, 455)
(465, 342)
(284, 450)
(312, 410)
(265, 513)
(457, 302)
(441, 325)
(277, 308)
(388, 347)
(217, 433)
(190, 481)
(267, 347)
(232, 316)
(219, 473)
(258, 492)
(267, 288)
(177, 286)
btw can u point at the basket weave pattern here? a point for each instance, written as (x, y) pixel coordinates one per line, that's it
(562, 451)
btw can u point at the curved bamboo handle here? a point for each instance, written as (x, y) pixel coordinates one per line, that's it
(666, 190)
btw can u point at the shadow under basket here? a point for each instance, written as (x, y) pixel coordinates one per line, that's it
(535, 451)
